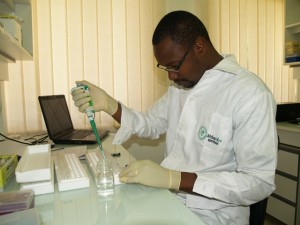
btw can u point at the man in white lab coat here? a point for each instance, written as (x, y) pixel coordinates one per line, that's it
(219, 120)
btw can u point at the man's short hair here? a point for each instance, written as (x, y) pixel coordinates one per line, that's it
(181, 26)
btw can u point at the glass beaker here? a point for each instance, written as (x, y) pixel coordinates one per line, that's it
(105, 183)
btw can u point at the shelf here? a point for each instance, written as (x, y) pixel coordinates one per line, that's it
(10, 49)
(25, 2)
(293, 64)
(9, 5)
(293, 28)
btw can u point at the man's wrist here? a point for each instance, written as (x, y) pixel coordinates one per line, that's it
(187, 181)
(118, 114)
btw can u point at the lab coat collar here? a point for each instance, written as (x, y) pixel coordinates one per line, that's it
(228, 64)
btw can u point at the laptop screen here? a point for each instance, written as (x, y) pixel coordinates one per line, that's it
(56, 115)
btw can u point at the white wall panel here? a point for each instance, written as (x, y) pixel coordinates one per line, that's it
(278, 49)
(243, 38)
(270, 43)
(75, 48)
(90, 47)
(90, 41)
(147, 73)
(252, 34)
(119, 50)
(59, 47)
(15, 105)
(31, 105)
(133, 38)
(43, 54)
(214, 23)
(105, 49)
(262, 29)
(234, 28)
(225, 30)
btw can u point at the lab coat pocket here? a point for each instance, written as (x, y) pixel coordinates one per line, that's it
(216, 135)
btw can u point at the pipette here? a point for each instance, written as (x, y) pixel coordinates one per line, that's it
(90, 112)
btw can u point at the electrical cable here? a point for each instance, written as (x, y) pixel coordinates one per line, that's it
(36, 141)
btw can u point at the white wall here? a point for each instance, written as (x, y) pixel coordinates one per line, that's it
(109, 43)
(199, 8)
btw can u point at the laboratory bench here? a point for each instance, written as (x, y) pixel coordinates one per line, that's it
(131, 204)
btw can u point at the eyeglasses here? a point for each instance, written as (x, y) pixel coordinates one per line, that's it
(175, 69)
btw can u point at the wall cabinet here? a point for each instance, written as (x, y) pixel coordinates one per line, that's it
(284, 203)
(11, 49)
(292, 32)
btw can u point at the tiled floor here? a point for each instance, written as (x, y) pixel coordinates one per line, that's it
(272, 221)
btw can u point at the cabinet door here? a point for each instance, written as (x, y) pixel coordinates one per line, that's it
(288, 162)
(281, 210)
(286, 188)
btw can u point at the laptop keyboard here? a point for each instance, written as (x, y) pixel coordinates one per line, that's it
(79, 134)
(70, 173)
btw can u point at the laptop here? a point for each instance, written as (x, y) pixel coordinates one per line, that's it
(59, 124)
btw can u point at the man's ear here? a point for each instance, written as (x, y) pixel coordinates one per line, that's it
(201, 46)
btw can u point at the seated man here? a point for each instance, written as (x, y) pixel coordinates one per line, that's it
(219, 120)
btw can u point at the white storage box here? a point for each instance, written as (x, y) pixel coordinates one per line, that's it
(13, 28)
(34, 165)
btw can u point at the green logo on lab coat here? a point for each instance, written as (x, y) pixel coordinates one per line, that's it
(202, 134)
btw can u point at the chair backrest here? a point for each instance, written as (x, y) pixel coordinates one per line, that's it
(258, 212)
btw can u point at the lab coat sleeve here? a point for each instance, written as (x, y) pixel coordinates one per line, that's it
(146, 125)
(255, 146)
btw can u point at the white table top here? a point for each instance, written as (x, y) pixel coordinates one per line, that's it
(132, 204)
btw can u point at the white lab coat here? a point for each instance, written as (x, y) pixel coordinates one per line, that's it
(223, 130)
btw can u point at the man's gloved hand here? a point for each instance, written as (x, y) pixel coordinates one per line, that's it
(149, 173)
(101, 100)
